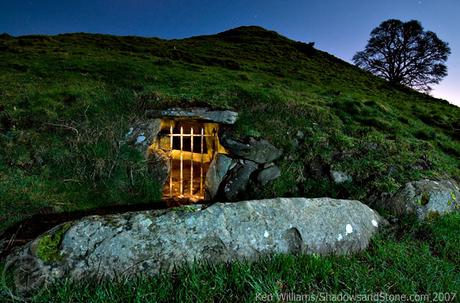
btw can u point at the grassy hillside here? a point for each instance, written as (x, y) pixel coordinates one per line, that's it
(67, 100)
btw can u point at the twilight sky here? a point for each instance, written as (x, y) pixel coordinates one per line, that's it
(340, 27)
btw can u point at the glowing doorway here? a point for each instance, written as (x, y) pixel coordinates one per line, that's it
(191, 146)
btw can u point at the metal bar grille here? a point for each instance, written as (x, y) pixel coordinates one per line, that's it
(171, 163)
(189, 135)
(179, 176)
(181, 161)
(201, 166)
(191, 162)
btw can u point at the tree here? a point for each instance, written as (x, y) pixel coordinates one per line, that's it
(403, 53)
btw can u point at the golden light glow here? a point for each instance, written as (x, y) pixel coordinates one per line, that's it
(191, 146)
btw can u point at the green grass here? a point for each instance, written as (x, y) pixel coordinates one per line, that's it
(412, 258)
(66, 100)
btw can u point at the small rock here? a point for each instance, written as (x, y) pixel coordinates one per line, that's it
(340, 177)
(300, 134)
(268, 174)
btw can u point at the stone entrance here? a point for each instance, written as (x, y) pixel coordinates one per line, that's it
(190, 145)
(194, 155)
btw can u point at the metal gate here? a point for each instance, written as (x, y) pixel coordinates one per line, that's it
(184, 180)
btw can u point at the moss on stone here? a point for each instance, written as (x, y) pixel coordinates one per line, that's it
(452, 199)
(185, 209)
(48, 247)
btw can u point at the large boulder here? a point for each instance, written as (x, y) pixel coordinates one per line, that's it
(201, 113)
(150, 241)
(424, 198)
(259, 151)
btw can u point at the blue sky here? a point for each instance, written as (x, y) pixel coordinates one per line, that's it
(340, 27)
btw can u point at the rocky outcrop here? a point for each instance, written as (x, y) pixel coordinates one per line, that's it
(206, 114)
(149, 241)
(229, 178)
(424, 198)
(229, 174)
(253, 158)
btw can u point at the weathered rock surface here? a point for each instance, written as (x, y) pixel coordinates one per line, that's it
(259, 151)
(159, 165)
(268, 174)
(142, 134)
(237, 179)
(218, 116)
(216, 174)
(424, 198)
(150, 241)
